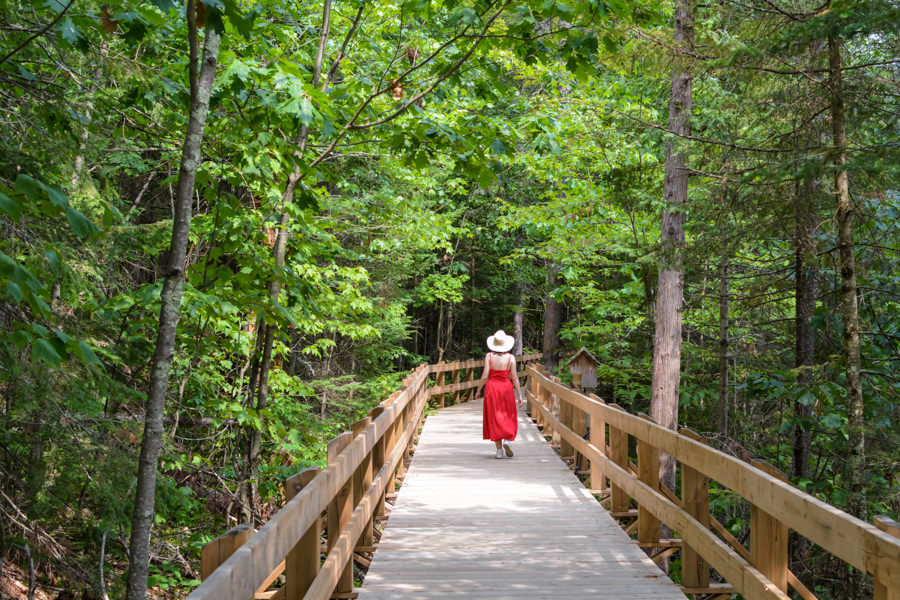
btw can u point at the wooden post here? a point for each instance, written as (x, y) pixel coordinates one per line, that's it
(598, 439)
(769, 538)
(544, 397)
(378, 456)
(554, 410)
(456, 394)
(389, 441)
(470, 377)
(579, 425)
(648, 473)
(303, 560)
(362, 479)
(695, 498)
(439, 383)
(339, 511)
(882, 591)
(566, 414)
(217, 551)
(618, 452)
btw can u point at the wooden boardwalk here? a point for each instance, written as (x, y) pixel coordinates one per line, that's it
(466, 525)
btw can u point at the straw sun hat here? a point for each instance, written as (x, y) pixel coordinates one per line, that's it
(500, 342)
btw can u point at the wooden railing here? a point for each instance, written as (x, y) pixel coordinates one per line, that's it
(463, 376)
(759, 572)
(343, 501)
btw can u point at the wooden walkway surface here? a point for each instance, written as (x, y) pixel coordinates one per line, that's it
(467, 525)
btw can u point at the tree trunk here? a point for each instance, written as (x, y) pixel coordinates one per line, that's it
(266, 336)
(552, 318)
(856, 462)
(723, 340)
(804, 340)
(518, 320)
(670, 286)
(144, 503)
(856, 459)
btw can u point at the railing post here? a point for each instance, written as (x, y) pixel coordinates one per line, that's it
(339, 511)
(579, 426)
(882, 591)
(470, 377)
(302, 563)
(648, 473)
(362, 479)
(598, 439)
(378, 456)
(438, 383)
(695, 499)
(217, 551)
(769, 538)
(618, 451)
(389, 441)
(457, 393)
(566, 415)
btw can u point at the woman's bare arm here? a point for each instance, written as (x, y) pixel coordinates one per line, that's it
(513, 374)
(484, 375)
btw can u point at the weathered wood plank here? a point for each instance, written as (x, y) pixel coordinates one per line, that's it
(466, 525)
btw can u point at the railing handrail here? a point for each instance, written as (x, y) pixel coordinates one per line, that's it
(243, 572)
(259, 557)
(856, 542)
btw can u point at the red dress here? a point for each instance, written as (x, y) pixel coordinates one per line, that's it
(500, 419)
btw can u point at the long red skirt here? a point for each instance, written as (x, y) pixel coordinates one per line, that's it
(500, 419)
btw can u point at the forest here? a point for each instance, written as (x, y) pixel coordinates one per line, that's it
(229, 228)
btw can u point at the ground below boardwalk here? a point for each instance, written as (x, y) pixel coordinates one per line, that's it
(467, 525)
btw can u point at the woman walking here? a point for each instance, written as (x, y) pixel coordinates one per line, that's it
(499, 376)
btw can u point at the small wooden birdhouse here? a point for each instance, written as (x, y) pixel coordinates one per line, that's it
(583, 367)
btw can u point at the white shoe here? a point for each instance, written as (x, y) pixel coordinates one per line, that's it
(499, 453)
(507, 448)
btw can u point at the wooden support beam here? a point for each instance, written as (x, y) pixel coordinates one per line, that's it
(439, 383)
(302, 562)
(695, 500)
(618, 453)
(648, 472)
(882, 590)
(378, 454)
(598, 439)
(340, 509)
(456, 394)
(362, 479)
(716, 588)
(217, 551)
(769, 538)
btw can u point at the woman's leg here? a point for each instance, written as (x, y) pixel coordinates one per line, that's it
(497, 443)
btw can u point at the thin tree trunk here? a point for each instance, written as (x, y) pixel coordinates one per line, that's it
(552, 318)
(723, 339)
(804, 340)
(279, 251)
(856, 462)
(144, 504)
(670, 286)
(518, 320)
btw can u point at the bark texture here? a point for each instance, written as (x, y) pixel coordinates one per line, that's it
(723, 342)
(144, 505)
(670, 282)
(856, 461)
(552, 319)
(804, 306)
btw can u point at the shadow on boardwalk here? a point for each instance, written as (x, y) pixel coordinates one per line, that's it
(467, 525)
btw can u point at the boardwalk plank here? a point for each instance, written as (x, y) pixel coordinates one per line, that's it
(467, 525)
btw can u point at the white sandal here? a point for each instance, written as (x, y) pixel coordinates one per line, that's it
(507, 448)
